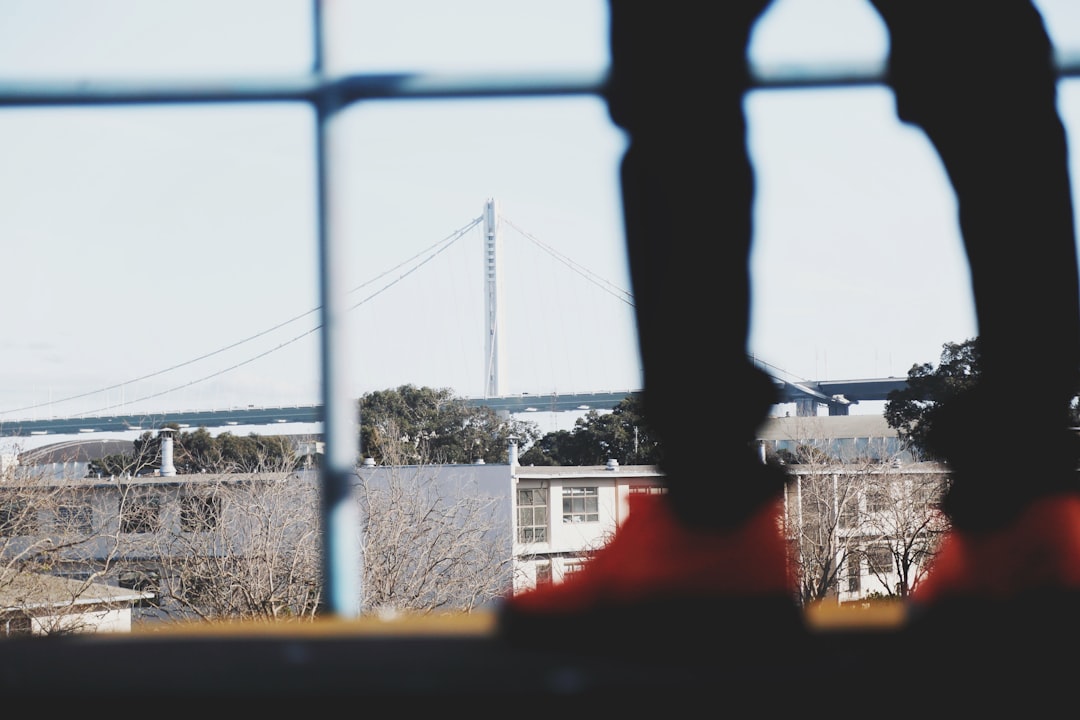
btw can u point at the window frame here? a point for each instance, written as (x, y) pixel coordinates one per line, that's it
(200, 512)
(140, 513)
(18, 518)
(537, 510)
(576, 503)
(75, 516)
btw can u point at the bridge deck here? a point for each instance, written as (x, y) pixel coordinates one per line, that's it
(513, 404)
(820, 390)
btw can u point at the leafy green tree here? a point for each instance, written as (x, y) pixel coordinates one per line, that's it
(911, 411)
(435, 426)
(554, 448)
(144, 458)
(621, 434)
(198, 451)
(251, 453)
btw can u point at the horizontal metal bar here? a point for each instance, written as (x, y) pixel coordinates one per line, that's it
(407, 86)
(312, 89)
(792, 76)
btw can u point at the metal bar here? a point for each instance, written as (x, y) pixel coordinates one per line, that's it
(342, 565)
(309, 89)
(341, 555)
(409, 86)
(800, 76)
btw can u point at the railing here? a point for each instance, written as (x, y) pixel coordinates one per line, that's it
(328, 95)
(179, 666)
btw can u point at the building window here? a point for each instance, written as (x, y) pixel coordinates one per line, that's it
(141, 580)
(647, 490)
(580, 504)
(200, 513)
(842, 449)
(849, 513)
(15, 625)
(570, 568)
(75, 518)
(543, 574)
(880, 559)
(532, 515)
(877, 499)
(17, 517)
(862, 448)
(854, 574)
(140, 514)
(927, 491)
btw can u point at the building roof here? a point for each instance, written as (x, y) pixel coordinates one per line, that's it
(587, 471)
(826, 427)
(81, 450)
(26, 591)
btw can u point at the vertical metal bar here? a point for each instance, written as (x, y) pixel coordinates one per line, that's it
(341, 559)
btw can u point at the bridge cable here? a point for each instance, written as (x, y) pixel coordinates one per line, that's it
(432, 251)
(426, 255)
(608, 287)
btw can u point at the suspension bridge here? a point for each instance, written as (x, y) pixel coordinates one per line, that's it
(808, 395)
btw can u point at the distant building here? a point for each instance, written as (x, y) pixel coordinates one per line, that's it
(36, 604)
(847, 438)
(71, 458)
(863, 530)
(563, 514)
(547, 520)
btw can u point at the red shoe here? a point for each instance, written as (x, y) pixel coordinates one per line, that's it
(656, 572)
(999, 609)
(1039, 552)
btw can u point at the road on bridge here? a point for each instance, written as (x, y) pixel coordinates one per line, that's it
(836, 393)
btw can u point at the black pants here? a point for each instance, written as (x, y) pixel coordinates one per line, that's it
(979, 80)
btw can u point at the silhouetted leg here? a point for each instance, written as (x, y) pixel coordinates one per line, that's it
(978, 78)
(707, 562)
(678, 82)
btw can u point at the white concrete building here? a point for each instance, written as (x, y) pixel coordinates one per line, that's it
(546, 520)
(864, 530)
(36, 604)
(562, 514)
(847, 438)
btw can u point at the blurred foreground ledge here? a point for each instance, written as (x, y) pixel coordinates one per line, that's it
(993, 655)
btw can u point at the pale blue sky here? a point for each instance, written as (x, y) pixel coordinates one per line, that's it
(139, 239)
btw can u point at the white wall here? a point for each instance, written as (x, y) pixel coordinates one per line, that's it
(569, 544)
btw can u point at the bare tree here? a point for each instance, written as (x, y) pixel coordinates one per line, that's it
(822, 505)
(248, 546)
(903, 524)
(241, 547)
(853, 515)
(430, 542)
(48, 528)
(862, 521)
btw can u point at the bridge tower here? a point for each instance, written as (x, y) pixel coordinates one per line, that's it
(493, 296)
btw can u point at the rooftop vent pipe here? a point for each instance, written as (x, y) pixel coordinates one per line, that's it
(513, 451)
(167, 467)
